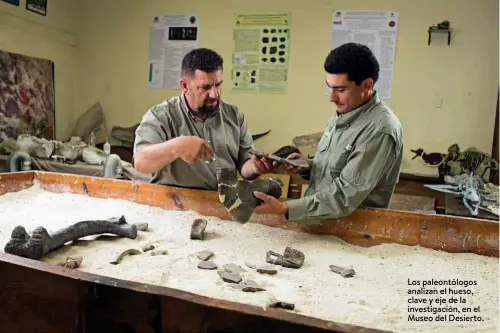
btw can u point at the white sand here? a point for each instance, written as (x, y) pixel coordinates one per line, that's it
(376, 297)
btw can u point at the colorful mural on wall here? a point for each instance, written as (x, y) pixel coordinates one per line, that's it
(26, 96)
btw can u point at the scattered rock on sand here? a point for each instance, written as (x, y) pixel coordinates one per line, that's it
(267, 269)
(230, 277)
(198, 229)
(205, 255)
(207, 265)
(232, 268)
(249, 286)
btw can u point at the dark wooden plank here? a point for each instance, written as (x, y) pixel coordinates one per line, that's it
(119, 310)
(365, 227)
(415, 186)
(36, 301)
(127, 306)
(182, 316)
(495, 149)
(412, 203)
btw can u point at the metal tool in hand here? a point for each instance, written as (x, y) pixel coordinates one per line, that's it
(209, 159)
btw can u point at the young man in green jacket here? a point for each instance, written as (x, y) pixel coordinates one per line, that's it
(359, 156)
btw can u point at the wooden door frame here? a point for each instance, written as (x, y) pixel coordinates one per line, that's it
(495, 148)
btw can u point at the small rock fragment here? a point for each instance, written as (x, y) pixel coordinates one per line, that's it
(293, 258)
(71, 262)
(249, 286)
(147, 247)
(158, 252)
(230, 277)
(204, 255)
(198, 229)
(123, 254)
(274, 258)
(282, 305)
(232, 268)
(141, 226)
(250, 265)
(207, 265)
(343, 271)
(267, 269)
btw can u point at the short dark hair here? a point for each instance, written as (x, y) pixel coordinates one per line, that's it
(356, 60)
(202, 59)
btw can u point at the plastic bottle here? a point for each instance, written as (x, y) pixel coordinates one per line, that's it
(107, 148)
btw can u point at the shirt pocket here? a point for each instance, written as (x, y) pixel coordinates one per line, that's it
(324, 142)
(337, 161)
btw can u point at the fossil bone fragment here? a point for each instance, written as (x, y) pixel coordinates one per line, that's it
(237, 195)
(41, 242)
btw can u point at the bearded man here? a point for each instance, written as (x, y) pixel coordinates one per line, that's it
(177, 137)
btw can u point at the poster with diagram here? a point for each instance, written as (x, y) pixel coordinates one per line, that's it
(261, 53)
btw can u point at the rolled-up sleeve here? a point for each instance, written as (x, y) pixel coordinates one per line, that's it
(364, 169)
(150, 130)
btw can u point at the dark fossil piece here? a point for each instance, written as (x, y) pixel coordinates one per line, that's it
(41, 242)
(237, 195)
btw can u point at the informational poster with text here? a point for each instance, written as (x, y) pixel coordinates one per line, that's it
(376, 29)
(171, 38)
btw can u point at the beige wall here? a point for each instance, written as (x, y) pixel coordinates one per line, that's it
(50, 37)
(112, 39)
(113, 49)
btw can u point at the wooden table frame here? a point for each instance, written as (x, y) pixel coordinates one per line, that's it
(43, 297)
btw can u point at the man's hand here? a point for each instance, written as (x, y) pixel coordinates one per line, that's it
(193, 148)
(255, 167)
(290, 168)
(270, 205)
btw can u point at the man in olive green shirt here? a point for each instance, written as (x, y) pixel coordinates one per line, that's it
(183, 140)
(359, 156)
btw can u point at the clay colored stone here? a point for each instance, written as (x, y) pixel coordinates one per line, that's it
(229, 277)
(232, 268)
(267, 269)
(204, 255)
(249, 286)
(207, 265)
(343, 271)
(198, 229)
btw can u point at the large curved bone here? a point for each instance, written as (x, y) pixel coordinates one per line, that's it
(237, 195)
(40, 242)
